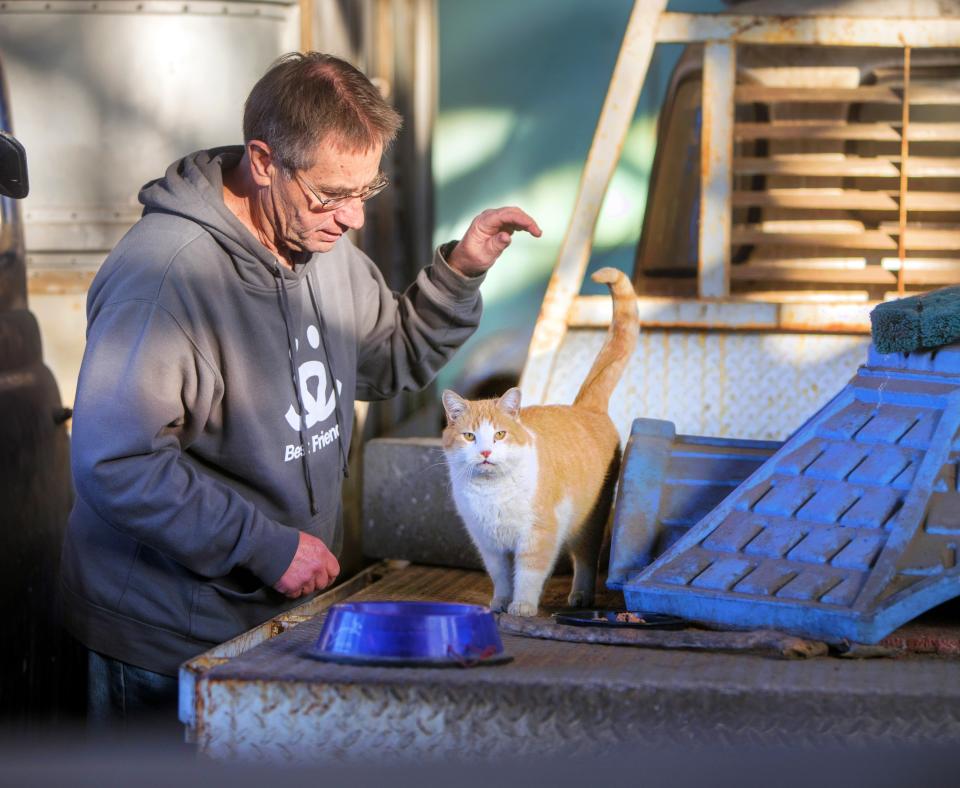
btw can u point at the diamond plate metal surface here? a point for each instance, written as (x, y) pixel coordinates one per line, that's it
(720, 383)
(274, 704)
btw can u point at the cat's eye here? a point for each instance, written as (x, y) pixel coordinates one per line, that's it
(499, 436)
(469, 437)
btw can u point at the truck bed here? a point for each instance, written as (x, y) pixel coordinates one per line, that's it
(271, 700)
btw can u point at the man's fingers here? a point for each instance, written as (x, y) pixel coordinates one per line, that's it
(313, 567)
(333, 566)
(511, 219)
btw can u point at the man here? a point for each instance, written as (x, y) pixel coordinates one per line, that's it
(229, 333)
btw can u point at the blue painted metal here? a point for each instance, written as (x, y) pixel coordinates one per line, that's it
(848, 531)
(668, 482)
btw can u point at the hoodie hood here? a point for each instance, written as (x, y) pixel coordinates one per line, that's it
(192, 188)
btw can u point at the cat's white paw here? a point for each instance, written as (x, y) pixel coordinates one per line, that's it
(580, 599)
(499, 603)
(522, 609)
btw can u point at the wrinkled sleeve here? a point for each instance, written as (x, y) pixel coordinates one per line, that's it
(404, 339)
(144, 390)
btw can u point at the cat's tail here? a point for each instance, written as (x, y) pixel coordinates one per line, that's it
(621, 340)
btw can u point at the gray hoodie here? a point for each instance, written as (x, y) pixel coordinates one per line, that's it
(214, 410)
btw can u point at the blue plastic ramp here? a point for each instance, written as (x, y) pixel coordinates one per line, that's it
(848, 531)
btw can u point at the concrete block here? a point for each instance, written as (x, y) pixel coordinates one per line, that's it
(408, 512)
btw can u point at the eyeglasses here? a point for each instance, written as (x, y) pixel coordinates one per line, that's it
(332, 203)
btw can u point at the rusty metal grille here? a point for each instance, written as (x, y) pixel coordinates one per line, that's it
(849, 187)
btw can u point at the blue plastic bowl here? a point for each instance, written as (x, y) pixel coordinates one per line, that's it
(409, 634)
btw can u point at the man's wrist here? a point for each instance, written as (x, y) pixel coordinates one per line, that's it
(448, 252)
(447, 249)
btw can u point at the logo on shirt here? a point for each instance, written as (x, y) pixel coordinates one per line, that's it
(317, 396)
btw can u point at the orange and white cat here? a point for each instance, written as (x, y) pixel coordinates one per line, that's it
(530, 482)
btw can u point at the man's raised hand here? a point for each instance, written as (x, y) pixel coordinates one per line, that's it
(486, 238)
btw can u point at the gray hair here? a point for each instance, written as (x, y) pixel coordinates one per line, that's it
(309, 98)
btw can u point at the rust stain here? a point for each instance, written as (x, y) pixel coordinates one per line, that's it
(284, 623)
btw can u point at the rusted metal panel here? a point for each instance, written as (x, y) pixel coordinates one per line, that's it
(819, 130)
(790, 270)
(836, 199)
(863, 94)
(809, 30)
(615, 118)
(815, 164)
(596, 311)
(716, 172)
(743, 384)
(839, 318)
(845, 314)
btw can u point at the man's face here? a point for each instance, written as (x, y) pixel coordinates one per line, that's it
(303, 223)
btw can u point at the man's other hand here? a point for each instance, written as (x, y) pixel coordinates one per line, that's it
(486, 238)
(313, 568)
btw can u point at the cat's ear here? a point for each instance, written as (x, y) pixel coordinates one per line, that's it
(509, 403)
(454, 405)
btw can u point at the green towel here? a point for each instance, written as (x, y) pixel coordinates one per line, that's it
(922, 321)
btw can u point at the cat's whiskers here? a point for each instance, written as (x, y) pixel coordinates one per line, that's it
(433, 465)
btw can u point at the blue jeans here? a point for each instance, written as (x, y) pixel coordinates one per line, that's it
(122, 697)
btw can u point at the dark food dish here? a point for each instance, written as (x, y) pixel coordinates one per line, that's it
(409, 634)
(619, 618)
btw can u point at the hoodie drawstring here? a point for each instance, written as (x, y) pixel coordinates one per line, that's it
(333, 377)
(291, 344)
